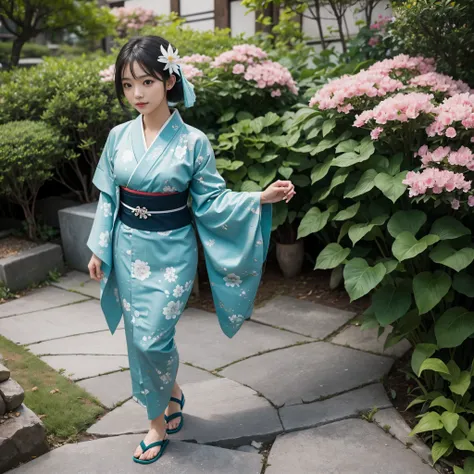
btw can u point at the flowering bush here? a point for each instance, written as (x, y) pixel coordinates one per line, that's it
(130, 20)
(391, 183)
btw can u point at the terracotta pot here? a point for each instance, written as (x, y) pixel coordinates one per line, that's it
(290, 258)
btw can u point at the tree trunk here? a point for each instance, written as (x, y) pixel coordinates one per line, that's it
(341, 33)
(16, 50)
(317, 17)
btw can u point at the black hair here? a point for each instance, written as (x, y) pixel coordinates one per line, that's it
(145, 51)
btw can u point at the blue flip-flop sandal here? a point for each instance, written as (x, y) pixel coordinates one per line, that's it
(163, 445)
(178, 414)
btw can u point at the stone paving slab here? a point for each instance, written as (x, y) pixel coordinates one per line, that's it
(366, 340)
(72, 280)
(343, 406)
(114, 456)
(304, 317)
(96, 343)
(109, 389)
(398, 427)
(54, 323)
(216, 349)
(83, 366)
(91, 288)
(216, 411)
(115, 388)
(308, 372)
(38, 300)
(349, 446)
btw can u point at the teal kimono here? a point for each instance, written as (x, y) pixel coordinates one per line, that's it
(148, 276)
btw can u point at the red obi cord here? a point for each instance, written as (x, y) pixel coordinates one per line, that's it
(143, 193)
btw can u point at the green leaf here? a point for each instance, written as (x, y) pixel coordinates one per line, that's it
(437, 365)
(454, 327)
(390, 265)
(279, 214)
(366, 148)
(323, 145)
(394, 164)
(390, 303)
(365, 184)
(320, 171)
(464, 283)
(403, 221)
(429, 289)
(461, 384)
(300, 180)
(285, 171)
(226, 117)
(348, 213)
(450, 421)
(257, 124)
(456, 259)
(391, 186)
(406, 246)
(313, 221)
(430, 422)
(360, 278)
(440, 448)
(331, 256)
(359, 231)
(347, 146)
(449, 228)
(250, 186)
(444, 402)
(328, 126)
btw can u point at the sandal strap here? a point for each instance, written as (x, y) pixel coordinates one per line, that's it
(151, 445)
(178, 414)
(178, 401)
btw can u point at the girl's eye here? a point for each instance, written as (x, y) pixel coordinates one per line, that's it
(126, 86)
(148, 82)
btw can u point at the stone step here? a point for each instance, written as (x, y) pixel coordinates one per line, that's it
(12, 394)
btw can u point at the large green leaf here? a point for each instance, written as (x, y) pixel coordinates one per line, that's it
(440, 448)
(446, 255)
(444, 402)
(391, 186)
(403, 221)
(347, 146)
(300, 180)
(448, 227)
(250, 186)
(320, 171)
(228, 165)
(429, 289)
(365, 184)
(406, 246)
(360, 278)
(464, 283)
(390, 303)
(328, 126)
(434, 364)
(348, 213)
(430, 422)
(313, 221)
(450, 421)
(366, 148)
(331, 256)
(279, 214)
(454, 327)
(359, 231)
(285, 171)
(420, 354)
(460, 384)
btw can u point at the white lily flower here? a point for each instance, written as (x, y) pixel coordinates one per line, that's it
(170, 59)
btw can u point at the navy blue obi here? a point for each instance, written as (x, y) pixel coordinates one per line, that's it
(154, 211)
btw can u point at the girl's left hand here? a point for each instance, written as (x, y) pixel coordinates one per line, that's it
(278, 191)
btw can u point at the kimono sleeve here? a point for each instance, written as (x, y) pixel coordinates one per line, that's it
(234, 229)
(100, 237)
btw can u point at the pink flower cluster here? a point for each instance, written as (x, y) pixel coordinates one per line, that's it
(399, 108)
(242, 53)
(195, 58)
(108, 74)
(133, 18)
(436, 181)
(381, 23)
(338, 93)
(190, 72)
(442, 155)
(417, 65)
(454, 114)
(270, 74)
(440, 83)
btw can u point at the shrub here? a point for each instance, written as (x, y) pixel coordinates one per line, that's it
(29, 152)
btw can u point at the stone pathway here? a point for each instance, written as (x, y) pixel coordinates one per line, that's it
(298, 375)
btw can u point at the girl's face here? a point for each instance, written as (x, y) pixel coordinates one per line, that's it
(145, 93)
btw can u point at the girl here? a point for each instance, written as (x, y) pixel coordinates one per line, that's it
(143, 241)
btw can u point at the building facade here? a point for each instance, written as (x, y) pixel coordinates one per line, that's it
(208, 14)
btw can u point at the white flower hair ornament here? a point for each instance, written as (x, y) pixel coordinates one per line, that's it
(170, 59)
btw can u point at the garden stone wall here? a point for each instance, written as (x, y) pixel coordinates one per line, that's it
(22, 434)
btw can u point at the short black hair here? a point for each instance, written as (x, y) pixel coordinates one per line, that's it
(145, 50)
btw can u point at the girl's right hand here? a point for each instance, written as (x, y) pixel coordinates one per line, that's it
(94, 268)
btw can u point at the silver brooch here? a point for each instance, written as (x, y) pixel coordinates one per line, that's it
(141, 212)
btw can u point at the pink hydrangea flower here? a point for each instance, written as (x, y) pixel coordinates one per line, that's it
(440, 83)
(108, 74)
(242, 53)
(238, 69)
(276, 93)
(375, 133)
(470, 201)
(455, 204)
(450, 132)
(190, 72)
(436, 181)
(418, 65)
(195, 58)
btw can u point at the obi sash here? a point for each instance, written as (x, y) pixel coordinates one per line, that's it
(154, 211)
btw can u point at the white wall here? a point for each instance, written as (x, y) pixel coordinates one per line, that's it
(239, 21)
(160, 7)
